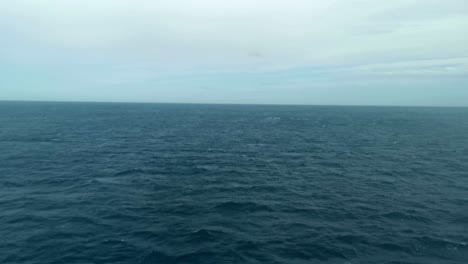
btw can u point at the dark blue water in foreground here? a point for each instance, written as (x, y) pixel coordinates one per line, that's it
(156, 183)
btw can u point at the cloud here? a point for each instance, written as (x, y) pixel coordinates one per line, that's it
(432, 68)
(118, 42)
(283, 32)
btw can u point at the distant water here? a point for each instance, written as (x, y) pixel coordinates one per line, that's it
(161, 183)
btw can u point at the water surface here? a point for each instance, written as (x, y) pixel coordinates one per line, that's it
(163, 183)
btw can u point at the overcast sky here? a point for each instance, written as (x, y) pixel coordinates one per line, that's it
(365, 52)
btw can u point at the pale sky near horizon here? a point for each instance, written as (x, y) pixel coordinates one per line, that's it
(352, 52)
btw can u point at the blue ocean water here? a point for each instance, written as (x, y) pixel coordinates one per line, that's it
(168, 183)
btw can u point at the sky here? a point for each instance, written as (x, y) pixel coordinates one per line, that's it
(321, 52)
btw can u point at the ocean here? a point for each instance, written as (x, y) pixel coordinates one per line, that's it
(187, 183)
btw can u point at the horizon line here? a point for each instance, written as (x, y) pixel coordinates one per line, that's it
(239, 104)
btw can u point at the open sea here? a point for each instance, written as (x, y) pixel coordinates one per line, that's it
(172, 183)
